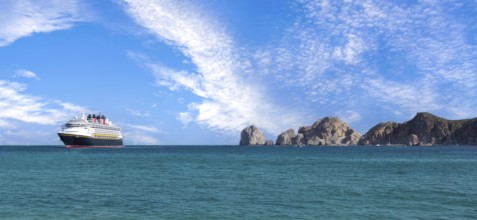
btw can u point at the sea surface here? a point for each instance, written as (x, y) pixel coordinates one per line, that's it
(231, 182)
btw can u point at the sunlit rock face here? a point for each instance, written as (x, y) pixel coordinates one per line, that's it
(329, 131)
(253, 136)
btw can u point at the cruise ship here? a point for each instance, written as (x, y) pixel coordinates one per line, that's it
(91, 131)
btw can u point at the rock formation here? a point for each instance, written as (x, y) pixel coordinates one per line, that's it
(382, 133)
(253, 136)
(286, 138)
(423, 129)
(467, 134)
(326, 131)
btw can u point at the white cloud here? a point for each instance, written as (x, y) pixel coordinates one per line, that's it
(21, 18)
(6, 124)
(26, 74)
(144, 128)
(29, 119)
(139, 134)
(134, 112)
(138, 139)
(412, 97)
(345, 58)
(17, 106)
(229, 103)
(185, 118)
(22, 134)
(350, 116)
(350, 52)
(413, 56)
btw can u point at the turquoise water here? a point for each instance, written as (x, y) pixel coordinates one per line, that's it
(230, 182)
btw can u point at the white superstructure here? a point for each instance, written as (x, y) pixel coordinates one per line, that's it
(92, 126)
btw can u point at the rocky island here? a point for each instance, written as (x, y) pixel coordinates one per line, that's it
(253, 136)
(424, 129)
(329, 131)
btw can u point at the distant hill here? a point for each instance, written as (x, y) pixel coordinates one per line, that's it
(424, 129)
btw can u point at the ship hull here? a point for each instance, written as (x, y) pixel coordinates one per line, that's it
(75, 141)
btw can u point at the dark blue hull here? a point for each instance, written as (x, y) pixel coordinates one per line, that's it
(72, 141)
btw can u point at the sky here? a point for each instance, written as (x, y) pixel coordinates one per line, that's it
(198, 72)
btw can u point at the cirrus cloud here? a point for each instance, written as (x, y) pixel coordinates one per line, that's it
(15, 105)
(345, 58)
(229, 102)
(27, 119)
(376, 55)
(22, 18)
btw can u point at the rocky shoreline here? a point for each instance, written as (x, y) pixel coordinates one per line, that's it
(425, 129)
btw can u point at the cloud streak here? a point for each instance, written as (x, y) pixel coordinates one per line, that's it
(140, 134)
(23, 18)
(16, 106)
(229, 103)
(344, 58)
(29, 119)
(26, 74)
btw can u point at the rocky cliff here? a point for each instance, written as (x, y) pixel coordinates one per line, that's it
(253, 136)
(423, 129)
(326, 131)
(286, 138)
(467, 134)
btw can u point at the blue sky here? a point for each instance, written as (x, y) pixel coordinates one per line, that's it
(198, 72)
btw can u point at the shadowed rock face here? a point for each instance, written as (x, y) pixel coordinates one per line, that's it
(326, 131)
(423, 129)
(467, 134)
(253, 136)
(379, 134)
(286, 138)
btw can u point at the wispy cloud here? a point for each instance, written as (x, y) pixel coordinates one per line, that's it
(26, 74)
(345, 58)
(414, 56)
(134, 112)
(140, 134)
(16, 106)
(144, 128)
(185, 118)
(349, 116)
(30, 119)
(21, 18)
(229, 103)
(6, 124)
(23, 134)
(140, 138)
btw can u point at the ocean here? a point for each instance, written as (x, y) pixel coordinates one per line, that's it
(231, 182)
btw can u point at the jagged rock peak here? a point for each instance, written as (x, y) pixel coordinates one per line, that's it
(286, 138)
(253, 136)
(326, 131)
(329, 131)
(426, 117)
